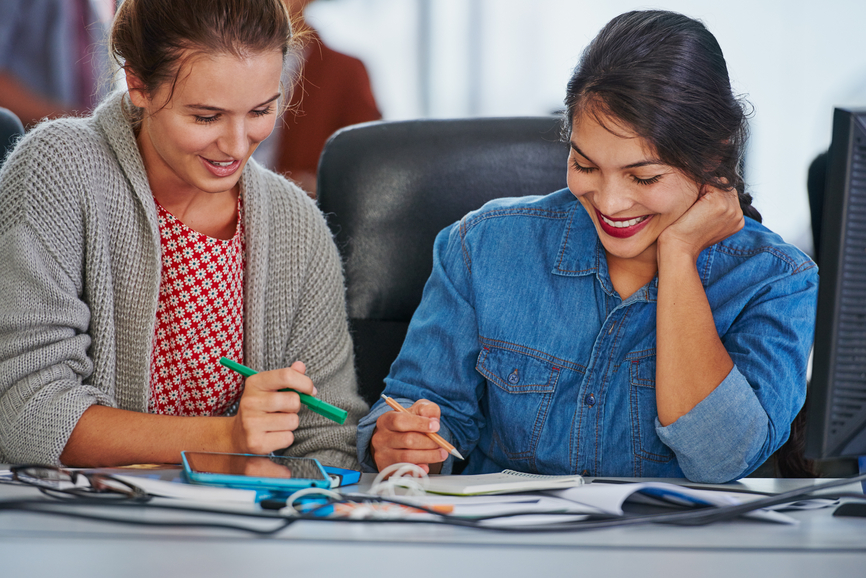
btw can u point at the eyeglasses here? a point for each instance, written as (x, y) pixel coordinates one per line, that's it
(63, 483)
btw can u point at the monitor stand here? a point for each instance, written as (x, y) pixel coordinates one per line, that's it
(855, 509)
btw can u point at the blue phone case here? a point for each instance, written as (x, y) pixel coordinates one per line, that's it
(342, 477)
(254, 482)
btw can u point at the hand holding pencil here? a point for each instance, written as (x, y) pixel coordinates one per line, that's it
(409, 436)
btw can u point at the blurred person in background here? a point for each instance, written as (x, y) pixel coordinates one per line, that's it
(332, 91)
(53, 56)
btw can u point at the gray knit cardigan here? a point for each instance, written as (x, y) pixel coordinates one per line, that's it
(80, 257)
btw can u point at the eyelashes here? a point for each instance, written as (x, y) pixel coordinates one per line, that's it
(588, 170)
(649, 181)
(216, 117)
(264, 111)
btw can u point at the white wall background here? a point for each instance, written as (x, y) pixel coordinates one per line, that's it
(794, 60)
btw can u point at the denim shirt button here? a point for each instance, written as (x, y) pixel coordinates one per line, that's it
(513, 377)
(589, 399)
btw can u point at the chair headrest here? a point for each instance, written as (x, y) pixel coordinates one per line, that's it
(389, 187)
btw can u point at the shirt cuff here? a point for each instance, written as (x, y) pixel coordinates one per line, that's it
(366, 427)
(718, 440)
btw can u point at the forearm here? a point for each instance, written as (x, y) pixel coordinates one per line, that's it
(106, 436)
(691, 360)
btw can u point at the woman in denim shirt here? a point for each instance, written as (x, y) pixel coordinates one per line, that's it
(640, 323)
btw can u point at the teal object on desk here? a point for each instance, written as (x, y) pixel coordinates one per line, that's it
(331, 412)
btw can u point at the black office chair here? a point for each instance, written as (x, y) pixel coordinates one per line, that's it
(10, 130)
(389, 187)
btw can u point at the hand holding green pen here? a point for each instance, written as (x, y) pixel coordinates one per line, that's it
(320, 407)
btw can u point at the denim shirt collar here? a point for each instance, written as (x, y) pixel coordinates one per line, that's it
(573, 260)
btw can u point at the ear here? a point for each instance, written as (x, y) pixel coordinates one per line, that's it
(137, 90)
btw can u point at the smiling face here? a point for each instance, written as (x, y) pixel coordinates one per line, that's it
(200, 140)
(630, 195)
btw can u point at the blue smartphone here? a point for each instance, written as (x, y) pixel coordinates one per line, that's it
(254, 472)
(342, 477)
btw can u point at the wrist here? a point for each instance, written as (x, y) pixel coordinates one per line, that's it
(672, 251)
(229, 432)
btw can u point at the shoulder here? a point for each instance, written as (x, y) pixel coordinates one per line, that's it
(756, 263)
(283, 207)
(67, 137)
(80, 145)
(324, 53)
(281, 193)
(512, 229)
(756, 243)
(508, 211)
(52, 164)
(323, 64)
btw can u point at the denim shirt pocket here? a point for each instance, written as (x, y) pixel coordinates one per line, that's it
(643, 411)
(520, 390)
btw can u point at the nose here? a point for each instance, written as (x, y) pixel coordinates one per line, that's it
(235, 141)
(611, 197)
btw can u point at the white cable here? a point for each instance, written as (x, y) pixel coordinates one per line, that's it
(410, 477)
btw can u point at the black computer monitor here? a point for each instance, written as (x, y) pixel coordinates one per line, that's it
(836, 419)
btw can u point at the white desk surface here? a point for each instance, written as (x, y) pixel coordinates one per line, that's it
(821, 546)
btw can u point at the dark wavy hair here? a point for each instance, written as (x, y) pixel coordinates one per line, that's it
(663, 75)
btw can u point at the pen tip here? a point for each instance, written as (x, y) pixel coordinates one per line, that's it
(456, 454)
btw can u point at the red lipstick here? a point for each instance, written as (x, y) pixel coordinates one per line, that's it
(622, 231)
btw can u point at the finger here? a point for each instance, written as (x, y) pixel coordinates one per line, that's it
(381, 464)
(425, 408)
(406, 422)
(270, 402)
(270, 423)
(406, 441)
(266, 442)
(284, 378)
(389, 457)
(299, 367)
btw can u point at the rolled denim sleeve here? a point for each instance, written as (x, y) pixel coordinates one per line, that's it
(438, 357)
(708, 440)
(748, 416)
(366, 427)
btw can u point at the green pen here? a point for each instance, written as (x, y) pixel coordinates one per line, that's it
(331, 412)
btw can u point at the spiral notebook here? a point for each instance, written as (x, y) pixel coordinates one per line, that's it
(505, 482)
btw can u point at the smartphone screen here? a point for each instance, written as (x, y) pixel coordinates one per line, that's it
(273, 467)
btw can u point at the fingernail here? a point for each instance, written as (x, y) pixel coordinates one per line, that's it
(443, 454)
(434, 425)
(315, 391)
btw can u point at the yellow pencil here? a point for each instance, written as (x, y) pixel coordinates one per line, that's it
(433, 436)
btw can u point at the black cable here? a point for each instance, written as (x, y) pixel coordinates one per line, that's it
(699, 516)
(717, 487)
(68, 508)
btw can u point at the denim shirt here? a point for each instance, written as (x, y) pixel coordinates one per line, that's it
(538, 365)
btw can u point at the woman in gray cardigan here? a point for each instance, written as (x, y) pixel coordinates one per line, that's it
(91, 373)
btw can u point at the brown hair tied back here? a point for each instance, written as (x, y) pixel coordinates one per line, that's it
(149, 37)
(663, 75)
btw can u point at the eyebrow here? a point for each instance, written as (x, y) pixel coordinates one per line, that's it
(218, 109)
(638, 164)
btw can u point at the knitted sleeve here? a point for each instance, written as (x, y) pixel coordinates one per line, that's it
(317, 335)
(44, 322)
